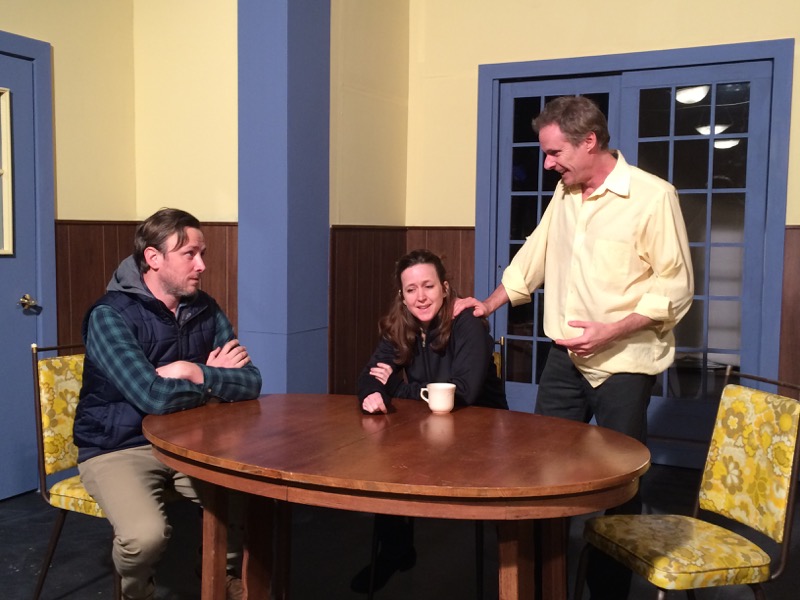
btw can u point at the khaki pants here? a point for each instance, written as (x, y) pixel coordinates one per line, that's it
(129, 486)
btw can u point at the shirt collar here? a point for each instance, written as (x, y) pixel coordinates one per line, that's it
(618, 181)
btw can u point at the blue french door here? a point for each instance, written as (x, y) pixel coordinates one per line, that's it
(705, 129)
(524, 191)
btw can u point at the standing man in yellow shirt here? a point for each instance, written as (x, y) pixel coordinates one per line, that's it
(612, 251)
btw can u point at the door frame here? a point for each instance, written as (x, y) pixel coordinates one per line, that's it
(491, 77)
(40, 56)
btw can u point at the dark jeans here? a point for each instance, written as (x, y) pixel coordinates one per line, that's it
(619, 403)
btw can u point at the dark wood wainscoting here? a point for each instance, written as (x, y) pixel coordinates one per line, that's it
(87, 252)
(362, 286)
(789, 366)
(362, 263)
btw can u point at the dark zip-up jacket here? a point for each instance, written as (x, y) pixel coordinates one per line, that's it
(129, 334)
(466, 361)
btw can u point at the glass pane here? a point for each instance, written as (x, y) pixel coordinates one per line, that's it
(520, 319)
(525, 170)
(733, 107)
(6, 166)
(725, 276)
(601, 99)
(654, 158)
(692, 109)
(523, 217)
(689, 331)
(545, 204)
(716, 374)
(724, 324)
(730, 163)
(723, 359)
(685, 377)
(525, 110)
(654, 108)
(519, 360)
(691, 164)
(694, 209)
(727, 218)
(698, 254)
(512, 251)
(694, 376)
(550, 180)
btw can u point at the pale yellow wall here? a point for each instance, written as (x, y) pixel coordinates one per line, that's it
(369, 108)
(146, 93)
(145, 104)
(186, 96)
(450, 38)
(93, 110)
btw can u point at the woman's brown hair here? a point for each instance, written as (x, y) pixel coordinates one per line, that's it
(400, 327)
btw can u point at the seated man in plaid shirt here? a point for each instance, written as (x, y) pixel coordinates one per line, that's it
(155, 344)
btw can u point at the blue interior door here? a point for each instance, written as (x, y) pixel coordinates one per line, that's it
(30, 269)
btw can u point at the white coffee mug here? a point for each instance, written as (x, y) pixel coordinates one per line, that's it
(439, 396)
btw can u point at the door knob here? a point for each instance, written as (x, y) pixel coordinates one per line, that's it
(26, 302)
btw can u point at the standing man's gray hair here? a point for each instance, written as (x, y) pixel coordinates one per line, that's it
(577, 117)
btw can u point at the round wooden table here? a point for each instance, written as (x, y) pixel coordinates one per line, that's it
(475, 463)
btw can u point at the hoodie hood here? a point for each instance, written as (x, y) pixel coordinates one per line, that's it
(128, 279)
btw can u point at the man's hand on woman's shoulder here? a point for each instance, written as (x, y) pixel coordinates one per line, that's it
(479, 309)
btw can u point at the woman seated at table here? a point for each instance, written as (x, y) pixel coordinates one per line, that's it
(421, 343)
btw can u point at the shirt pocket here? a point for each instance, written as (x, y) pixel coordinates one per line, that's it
(611, 262)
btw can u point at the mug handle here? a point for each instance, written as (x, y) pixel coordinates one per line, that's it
(423, 393)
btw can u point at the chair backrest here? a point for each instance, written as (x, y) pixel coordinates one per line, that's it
(751, 470)
(57, 384)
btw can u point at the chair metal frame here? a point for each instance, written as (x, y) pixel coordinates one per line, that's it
(44, 488)
(776, 566)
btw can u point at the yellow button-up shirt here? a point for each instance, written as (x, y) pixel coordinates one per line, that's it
(624, 249)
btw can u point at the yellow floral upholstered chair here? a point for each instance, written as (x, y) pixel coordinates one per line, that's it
(57, 385)
(749, 477)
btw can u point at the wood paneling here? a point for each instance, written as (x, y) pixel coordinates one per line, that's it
(789, 363)
(86, 255)
(456, 247)
(87, 252)
(361, 266)
(361, 287)
(222, 260)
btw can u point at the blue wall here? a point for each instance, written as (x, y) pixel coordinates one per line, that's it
(284, 90)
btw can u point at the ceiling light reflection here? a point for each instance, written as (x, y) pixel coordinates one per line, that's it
(692, 95)
(706, 129)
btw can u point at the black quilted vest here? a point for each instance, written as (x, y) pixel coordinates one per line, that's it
(105, 421)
